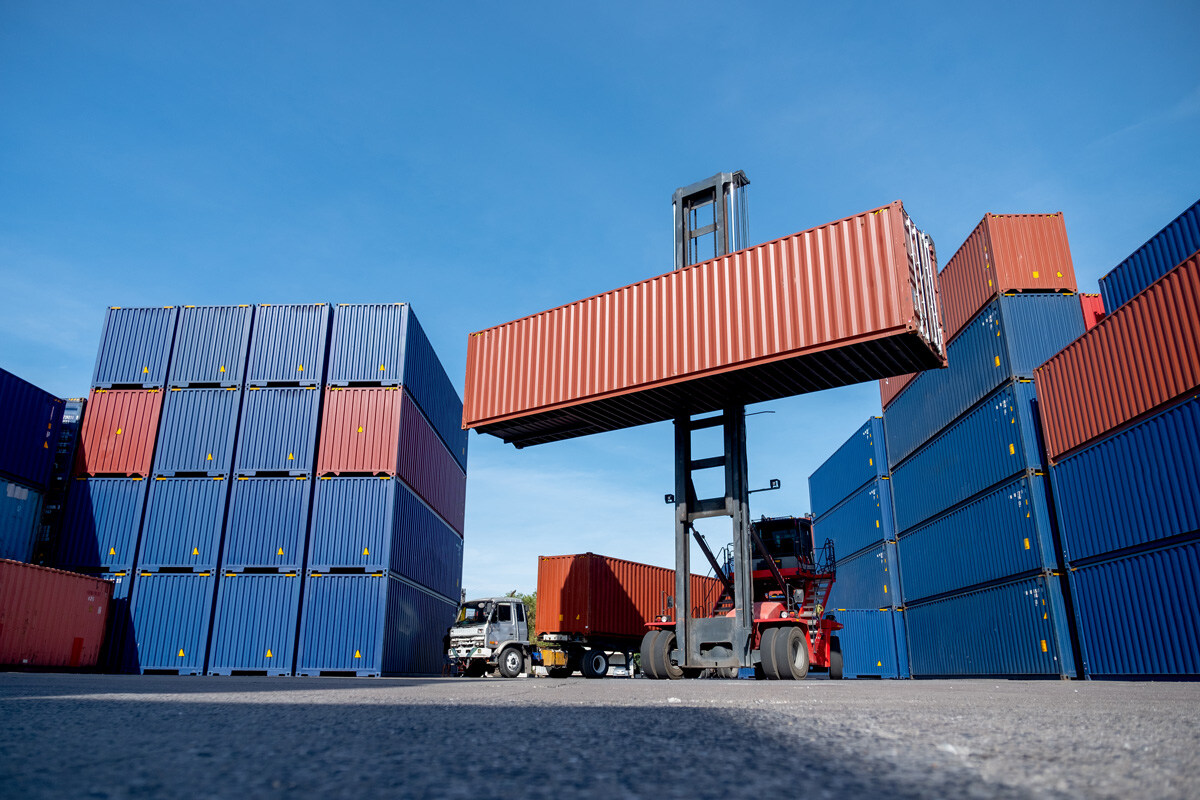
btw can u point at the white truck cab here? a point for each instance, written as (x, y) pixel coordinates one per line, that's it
(491, 633)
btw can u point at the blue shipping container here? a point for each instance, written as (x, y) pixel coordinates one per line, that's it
(870, 579)
(994, 441)
(378, 524)
(371, 625)
(1001, 534)
(278, 431)
(171, 613)
(1139, 615)
(254, 627)
(20, 513)
(268, 523)
(197, 432)
(135, 347)
(211, 344)
(1010, 337)
(1165, 250)
(1017, 628)
(861, 459)
(29, 431)
(873, 643)
(119, 653)
(1149, 474)
(861, 520)
(100, 529)
(183, 524)
(287, 345)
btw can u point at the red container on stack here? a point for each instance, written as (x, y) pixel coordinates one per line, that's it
(1093, 309)
(118, 433)
(51, 618)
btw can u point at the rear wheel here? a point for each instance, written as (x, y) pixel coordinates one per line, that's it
(766, 653)
(511, 662)
(594, 664)
(791, 654)
(835, 659)
(647, 652)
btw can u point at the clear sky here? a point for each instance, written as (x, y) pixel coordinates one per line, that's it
(484, 161)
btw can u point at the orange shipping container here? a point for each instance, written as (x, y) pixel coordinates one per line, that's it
(51, 618)
(850, 301)
(1093, 309)
(592, 595)
(118, 432)
(1005, 253)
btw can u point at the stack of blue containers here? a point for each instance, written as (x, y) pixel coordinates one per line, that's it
(384, 567)
(29, 430)
(978, 561)
(851, 497)
(54, 507)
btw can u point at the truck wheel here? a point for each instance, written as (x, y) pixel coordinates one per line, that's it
(663, 646)
(791, 654)
(766, 653)
(647, 652)
(511, 662)
(835, 659)
(475, 668)
(558, 672)
(594, 664)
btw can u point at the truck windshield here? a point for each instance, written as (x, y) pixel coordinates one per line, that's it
(475, 613)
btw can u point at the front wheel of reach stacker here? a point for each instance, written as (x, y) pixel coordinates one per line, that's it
(835, 659)
(595, 664)
(663, 646)
(647, 653)
(791, 654)
(766, 654)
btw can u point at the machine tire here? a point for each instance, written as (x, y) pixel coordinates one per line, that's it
(594, 664)
(475, 668)
(766, 653)
(558, 672)
(511, 662)
(663, 646)
(647, 651)
(791, 654)
(835, 658)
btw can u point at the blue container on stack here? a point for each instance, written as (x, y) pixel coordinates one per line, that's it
(973, 511)
(852, 497)
(1165, 250)
(55, 504)
(30, 420)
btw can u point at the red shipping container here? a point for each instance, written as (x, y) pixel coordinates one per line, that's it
(592, 595)
(1143, 356)
(850, 301)
(1093, 309)
(1005, 253)
(381, 431)
(118, 432)
(51, 618)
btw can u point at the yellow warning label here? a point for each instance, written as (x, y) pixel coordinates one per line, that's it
(997, 361)
(280, 552)
(879, 663)
(118, 431)
(1026, 542)
(1060, 274)
(870, 462)
(300, 368)
(885, 588)
(1012, 449)
(112, 551)
(181, 653)
(989, 283)
(195, 551)
(1035, 274)
(1044, 645)
(269, 653)
(145, 371)
(876, 523)
(365, 553)
(382, 368)
(360, 428)
(222, 369)
(209, 457)
(357, 654)
(291, 457)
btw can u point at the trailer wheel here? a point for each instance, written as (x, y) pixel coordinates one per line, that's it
(511, 662)
(766, 653)
(647, 651)
(595, 664)
(791, 654)
(835, 659)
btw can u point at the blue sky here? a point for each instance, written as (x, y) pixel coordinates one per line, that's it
(487, 161)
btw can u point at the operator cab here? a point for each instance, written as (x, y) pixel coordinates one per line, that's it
(789, 541)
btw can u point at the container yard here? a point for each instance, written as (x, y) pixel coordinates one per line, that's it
(357, 403)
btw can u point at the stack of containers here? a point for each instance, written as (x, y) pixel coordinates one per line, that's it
(54, 507)
(978, 559)
(851, 496)
(385, 552)
(29, 427)
(114, 457)
(1121, 414)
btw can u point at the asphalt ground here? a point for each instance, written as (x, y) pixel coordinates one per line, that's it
(102, 736)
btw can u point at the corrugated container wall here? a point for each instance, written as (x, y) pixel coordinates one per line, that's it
(29, 427)
(278, 431)
(287, 345)
(594, 595)
(20, 512)
(119, 653)
(1173, 244)
(267, 523)
(873, 644)
(1142, 356)
(50, 618)
(864, 518)
(1156, 590)
(1017, 628)
(171, 613)
(861, 459)
(1149, 474)
(430, 469)
(1005, 253)
(100, 528)
(1011, 337)
(384, 345)
(197, 431)
(184, 517)
(845, 302)
(118, 433)
(135, 347)
(1093, 309)
(211, 343)
(254, 625)
(870, 579)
